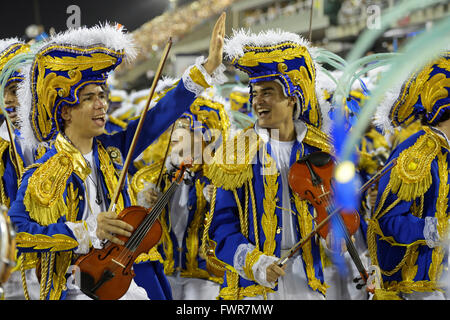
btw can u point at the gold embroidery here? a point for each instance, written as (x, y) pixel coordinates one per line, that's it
(269, 219)
(250, 259)
(198, 77)
(253, 58)
(234, 292)
(44, 194)
(72, 201)
(411, 177)
(437, 257)
(62, 263)
(56, 242)
(305, 221)
(152, 255)
(192, 238)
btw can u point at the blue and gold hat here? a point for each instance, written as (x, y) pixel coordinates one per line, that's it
(281, 56)
(425, 92)
(62, 66)
(10, 48)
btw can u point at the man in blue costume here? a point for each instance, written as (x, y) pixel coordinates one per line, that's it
(408, 231)
(10, 169)
(255, 217)
(60, 210)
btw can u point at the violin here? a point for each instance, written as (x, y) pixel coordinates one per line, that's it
(311, 179)
(105, 274)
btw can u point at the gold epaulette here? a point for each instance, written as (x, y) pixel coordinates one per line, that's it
(118, 122)
(411, 177)
(231, 166)
(44, 195)
(316, 138)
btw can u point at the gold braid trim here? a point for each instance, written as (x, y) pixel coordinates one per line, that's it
(269, 220)
(436, 267)
(234, 292)
(56, 242)
(62, 263)
(192, 238)
(255, 218)
(44, 194)
(241, 214)
(166, 241)
(250, 260)
(151, 255)
(411, 177)
(411, 286)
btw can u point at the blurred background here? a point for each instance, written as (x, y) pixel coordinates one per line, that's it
(335, 25)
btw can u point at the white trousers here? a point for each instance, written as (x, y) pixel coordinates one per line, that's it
(193, 288)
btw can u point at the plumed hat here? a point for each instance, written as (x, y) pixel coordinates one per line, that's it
(63, 65)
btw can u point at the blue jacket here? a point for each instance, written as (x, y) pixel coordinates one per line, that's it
(52, 190)
(416, 188)
(241, 187)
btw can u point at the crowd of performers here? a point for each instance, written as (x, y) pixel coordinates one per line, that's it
(234, 213)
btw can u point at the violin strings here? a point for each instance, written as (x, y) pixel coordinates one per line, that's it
(136, 238)
(150, 219)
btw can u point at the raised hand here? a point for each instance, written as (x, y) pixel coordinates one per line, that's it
(216, 45)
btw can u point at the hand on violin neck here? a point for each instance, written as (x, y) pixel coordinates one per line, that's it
(108, 225)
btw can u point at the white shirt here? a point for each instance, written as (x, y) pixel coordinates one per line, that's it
(281, 152)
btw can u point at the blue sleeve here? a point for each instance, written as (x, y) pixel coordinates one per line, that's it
(157, 121)
(399, 222)
(225, 227)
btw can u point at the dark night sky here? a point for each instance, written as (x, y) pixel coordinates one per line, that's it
(16, 15)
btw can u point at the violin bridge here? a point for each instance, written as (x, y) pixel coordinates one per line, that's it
(117, 262)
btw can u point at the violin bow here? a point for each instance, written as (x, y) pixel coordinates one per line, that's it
(285, 258)
(126, 165)
(165, 158)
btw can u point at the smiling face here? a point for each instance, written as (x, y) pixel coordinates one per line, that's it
(88, 118)
(272, 108)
